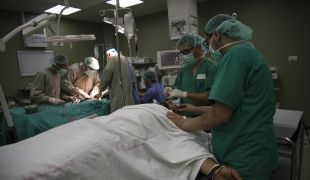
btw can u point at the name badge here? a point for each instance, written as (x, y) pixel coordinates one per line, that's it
(201, 76)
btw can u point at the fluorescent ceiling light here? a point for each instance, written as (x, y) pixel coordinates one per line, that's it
(107, 20)
(125, 3)
(58, 8)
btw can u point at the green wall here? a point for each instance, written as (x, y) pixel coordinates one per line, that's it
(10, 78)
(280, 30)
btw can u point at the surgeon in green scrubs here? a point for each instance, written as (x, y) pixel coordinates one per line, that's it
(193, 83)
(243, 100)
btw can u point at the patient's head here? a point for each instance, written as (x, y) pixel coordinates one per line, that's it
(169, 105)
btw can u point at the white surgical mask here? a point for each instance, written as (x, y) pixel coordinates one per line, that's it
(61, 71)
(216, 54)
(89, 72)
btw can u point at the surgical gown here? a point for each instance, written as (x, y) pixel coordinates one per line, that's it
(46, 87)
(155, 92)
(75, 79)
(111, 78)
(247, 141)
(201, 82)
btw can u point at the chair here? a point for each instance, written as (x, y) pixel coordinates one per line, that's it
(290, 159)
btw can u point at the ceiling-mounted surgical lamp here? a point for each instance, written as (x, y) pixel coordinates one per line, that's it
(68, 38)
(28, 28)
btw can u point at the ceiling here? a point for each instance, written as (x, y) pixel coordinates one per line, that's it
(90, 8)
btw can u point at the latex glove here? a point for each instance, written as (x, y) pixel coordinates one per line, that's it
(84, 94)
(105, 92)
(178, 93)
(167, 91)
(94, 94)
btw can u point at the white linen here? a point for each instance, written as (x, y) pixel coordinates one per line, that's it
(135, 142)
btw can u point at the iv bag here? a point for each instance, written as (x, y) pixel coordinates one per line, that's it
(96, 52)
(129, 25)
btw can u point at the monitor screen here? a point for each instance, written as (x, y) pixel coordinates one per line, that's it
(169, 59)
(29, 16)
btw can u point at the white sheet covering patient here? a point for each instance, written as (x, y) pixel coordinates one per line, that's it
(135, 142)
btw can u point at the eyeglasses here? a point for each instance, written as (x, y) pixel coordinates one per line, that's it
(205, 43)
(186, 51)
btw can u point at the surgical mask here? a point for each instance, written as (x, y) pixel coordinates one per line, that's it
(89, 72)
(216, 54)
(61, 71)
(147, 86)
(190, 59)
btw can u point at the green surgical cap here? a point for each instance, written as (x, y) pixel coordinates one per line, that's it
(228, 25)
(191, 39)
(235, 29)
(92, 62)
(60, 59)
(216, 21)
(149, 75)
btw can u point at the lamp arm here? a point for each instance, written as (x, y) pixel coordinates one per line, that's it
(59, 17)
(17, 30)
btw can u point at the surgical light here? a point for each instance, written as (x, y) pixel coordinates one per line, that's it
(68, 38)
(107, 20)
(125, 3)
(58, 8)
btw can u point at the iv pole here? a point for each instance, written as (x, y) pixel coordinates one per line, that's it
(118, 54)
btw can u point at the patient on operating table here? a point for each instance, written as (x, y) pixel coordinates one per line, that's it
(208, 166)
(135, 142)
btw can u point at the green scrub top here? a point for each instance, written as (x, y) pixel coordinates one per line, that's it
(201, 82)
(247, 141)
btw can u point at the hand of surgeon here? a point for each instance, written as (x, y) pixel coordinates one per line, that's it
(227, 173)
(177, 93)
(178, 120)
(94, 94)
(186, 108)
(167, 91)
(84, 94)
(72, 98)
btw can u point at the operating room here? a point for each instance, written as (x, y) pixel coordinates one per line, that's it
(279, 34)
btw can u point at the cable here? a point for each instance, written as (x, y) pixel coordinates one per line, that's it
(67, 116)
(170, 36)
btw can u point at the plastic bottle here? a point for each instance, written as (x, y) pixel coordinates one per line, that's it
(129, 25)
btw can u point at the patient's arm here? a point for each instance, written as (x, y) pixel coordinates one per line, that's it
(222, 173)
(193, 109)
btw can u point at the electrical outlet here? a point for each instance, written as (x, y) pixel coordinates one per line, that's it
(292, 58)
(58, 44)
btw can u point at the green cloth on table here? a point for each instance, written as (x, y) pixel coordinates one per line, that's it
(48, 117)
